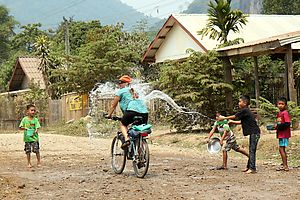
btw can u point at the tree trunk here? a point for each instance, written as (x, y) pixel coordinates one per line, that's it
(228, 79)
(257, 91)
(290, 82)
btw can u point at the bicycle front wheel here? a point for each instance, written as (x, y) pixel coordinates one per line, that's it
(141, 164)
(118, 156)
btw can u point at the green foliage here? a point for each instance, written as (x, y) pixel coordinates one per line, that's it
(7, 24)
(6, 69)
(196, 83)
(222, 20)
(35, 96)
(281, 7)
(76, 128)
(268, 110)
(270, 77)
(25, 40)
(294, 111)
(78, 31)
(107, 53)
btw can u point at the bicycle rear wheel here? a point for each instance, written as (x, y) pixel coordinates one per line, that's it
(141, 164)
(118, 156)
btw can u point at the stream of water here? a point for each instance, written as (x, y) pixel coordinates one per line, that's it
(107, 90)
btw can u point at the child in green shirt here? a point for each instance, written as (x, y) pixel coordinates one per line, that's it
(30, 124)
(227, 136)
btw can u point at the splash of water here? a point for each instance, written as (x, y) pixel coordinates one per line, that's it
(157, 94)
(107, 91)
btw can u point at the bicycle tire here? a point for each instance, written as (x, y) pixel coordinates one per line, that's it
(118, 156)
(141, 165)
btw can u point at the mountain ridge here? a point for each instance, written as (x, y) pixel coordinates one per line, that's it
(51, 13)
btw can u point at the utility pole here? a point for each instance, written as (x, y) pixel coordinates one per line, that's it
(67, 38)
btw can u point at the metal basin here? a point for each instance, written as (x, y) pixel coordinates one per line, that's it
(214, 145)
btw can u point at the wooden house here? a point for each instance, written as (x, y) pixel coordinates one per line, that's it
(26, 71)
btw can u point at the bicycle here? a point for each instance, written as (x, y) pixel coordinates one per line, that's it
(137, 151)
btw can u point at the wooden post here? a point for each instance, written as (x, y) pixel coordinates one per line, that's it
(257, 91)
(290, 82)
(228, 79)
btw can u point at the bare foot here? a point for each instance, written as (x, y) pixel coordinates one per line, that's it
(29, 166)
(39, 165)
(244, 170)
(250, 171)
(282, 169)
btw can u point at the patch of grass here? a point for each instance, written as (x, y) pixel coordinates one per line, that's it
(76, 128)
(101, 128)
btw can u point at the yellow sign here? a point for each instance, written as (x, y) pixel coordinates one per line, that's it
(76, 102)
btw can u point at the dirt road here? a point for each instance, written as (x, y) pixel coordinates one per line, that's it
(79, 168)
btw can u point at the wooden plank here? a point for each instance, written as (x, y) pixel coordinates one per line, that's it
(292, 94)
(257, 91)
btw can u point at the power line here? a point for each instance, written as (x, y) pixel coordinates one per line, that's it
(132, 12)
(63, 9)
(151, 6)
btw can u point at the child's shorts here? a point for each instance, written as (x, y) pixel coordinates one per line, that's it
(32, 147)
(283, 142)
(231, 144)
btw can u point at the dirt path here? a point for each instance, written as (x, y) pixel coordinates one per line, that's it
(78, 168)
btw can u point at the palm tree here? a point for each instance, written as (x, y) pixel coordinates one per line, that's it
(222, 19)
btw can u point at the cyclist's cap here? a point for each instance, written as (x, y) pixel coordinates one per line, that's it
(125, 79)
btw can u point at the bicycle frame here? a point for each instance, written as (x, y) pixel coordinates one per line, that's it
(137, 151)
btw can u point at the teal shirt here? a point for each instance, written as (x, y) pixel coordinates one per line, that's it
(137, 105)
(125, 97)
(30, 126)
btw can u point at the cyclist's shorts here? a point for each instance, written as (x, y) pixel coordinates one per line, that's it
(129, 115)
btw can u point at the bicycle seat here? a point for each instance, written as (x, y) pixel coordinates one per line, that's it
(137, 120)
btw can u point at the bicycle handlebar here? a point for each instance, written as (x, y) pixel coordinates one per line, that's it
(115, 118)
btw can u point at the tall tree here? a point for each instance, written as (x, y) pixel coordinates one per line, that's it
(7, 24)
(106, 53)
(24, 40)
(222, 19)
(77, 31)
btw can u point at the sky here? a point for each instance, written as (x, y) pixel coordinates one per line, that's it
(158, 8)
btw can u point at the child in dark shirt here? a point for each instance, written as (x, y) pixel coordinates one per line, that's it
(249, 125)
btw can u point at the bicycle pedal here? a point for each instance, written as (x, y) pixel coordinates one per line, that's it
(140, 165)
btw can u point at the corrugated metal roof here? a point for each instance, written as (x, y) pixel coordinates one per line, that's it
(262, 46)
(258, 27)
(26, 67)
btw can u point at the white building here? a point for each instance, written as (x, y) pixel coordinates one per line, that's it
(180, 33)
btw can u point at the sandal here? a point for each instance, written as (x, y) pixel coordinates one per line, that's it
(125, 144)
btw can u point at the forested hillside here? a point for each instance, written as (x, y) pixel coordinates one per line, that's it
(247, 6)
(50, 13)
